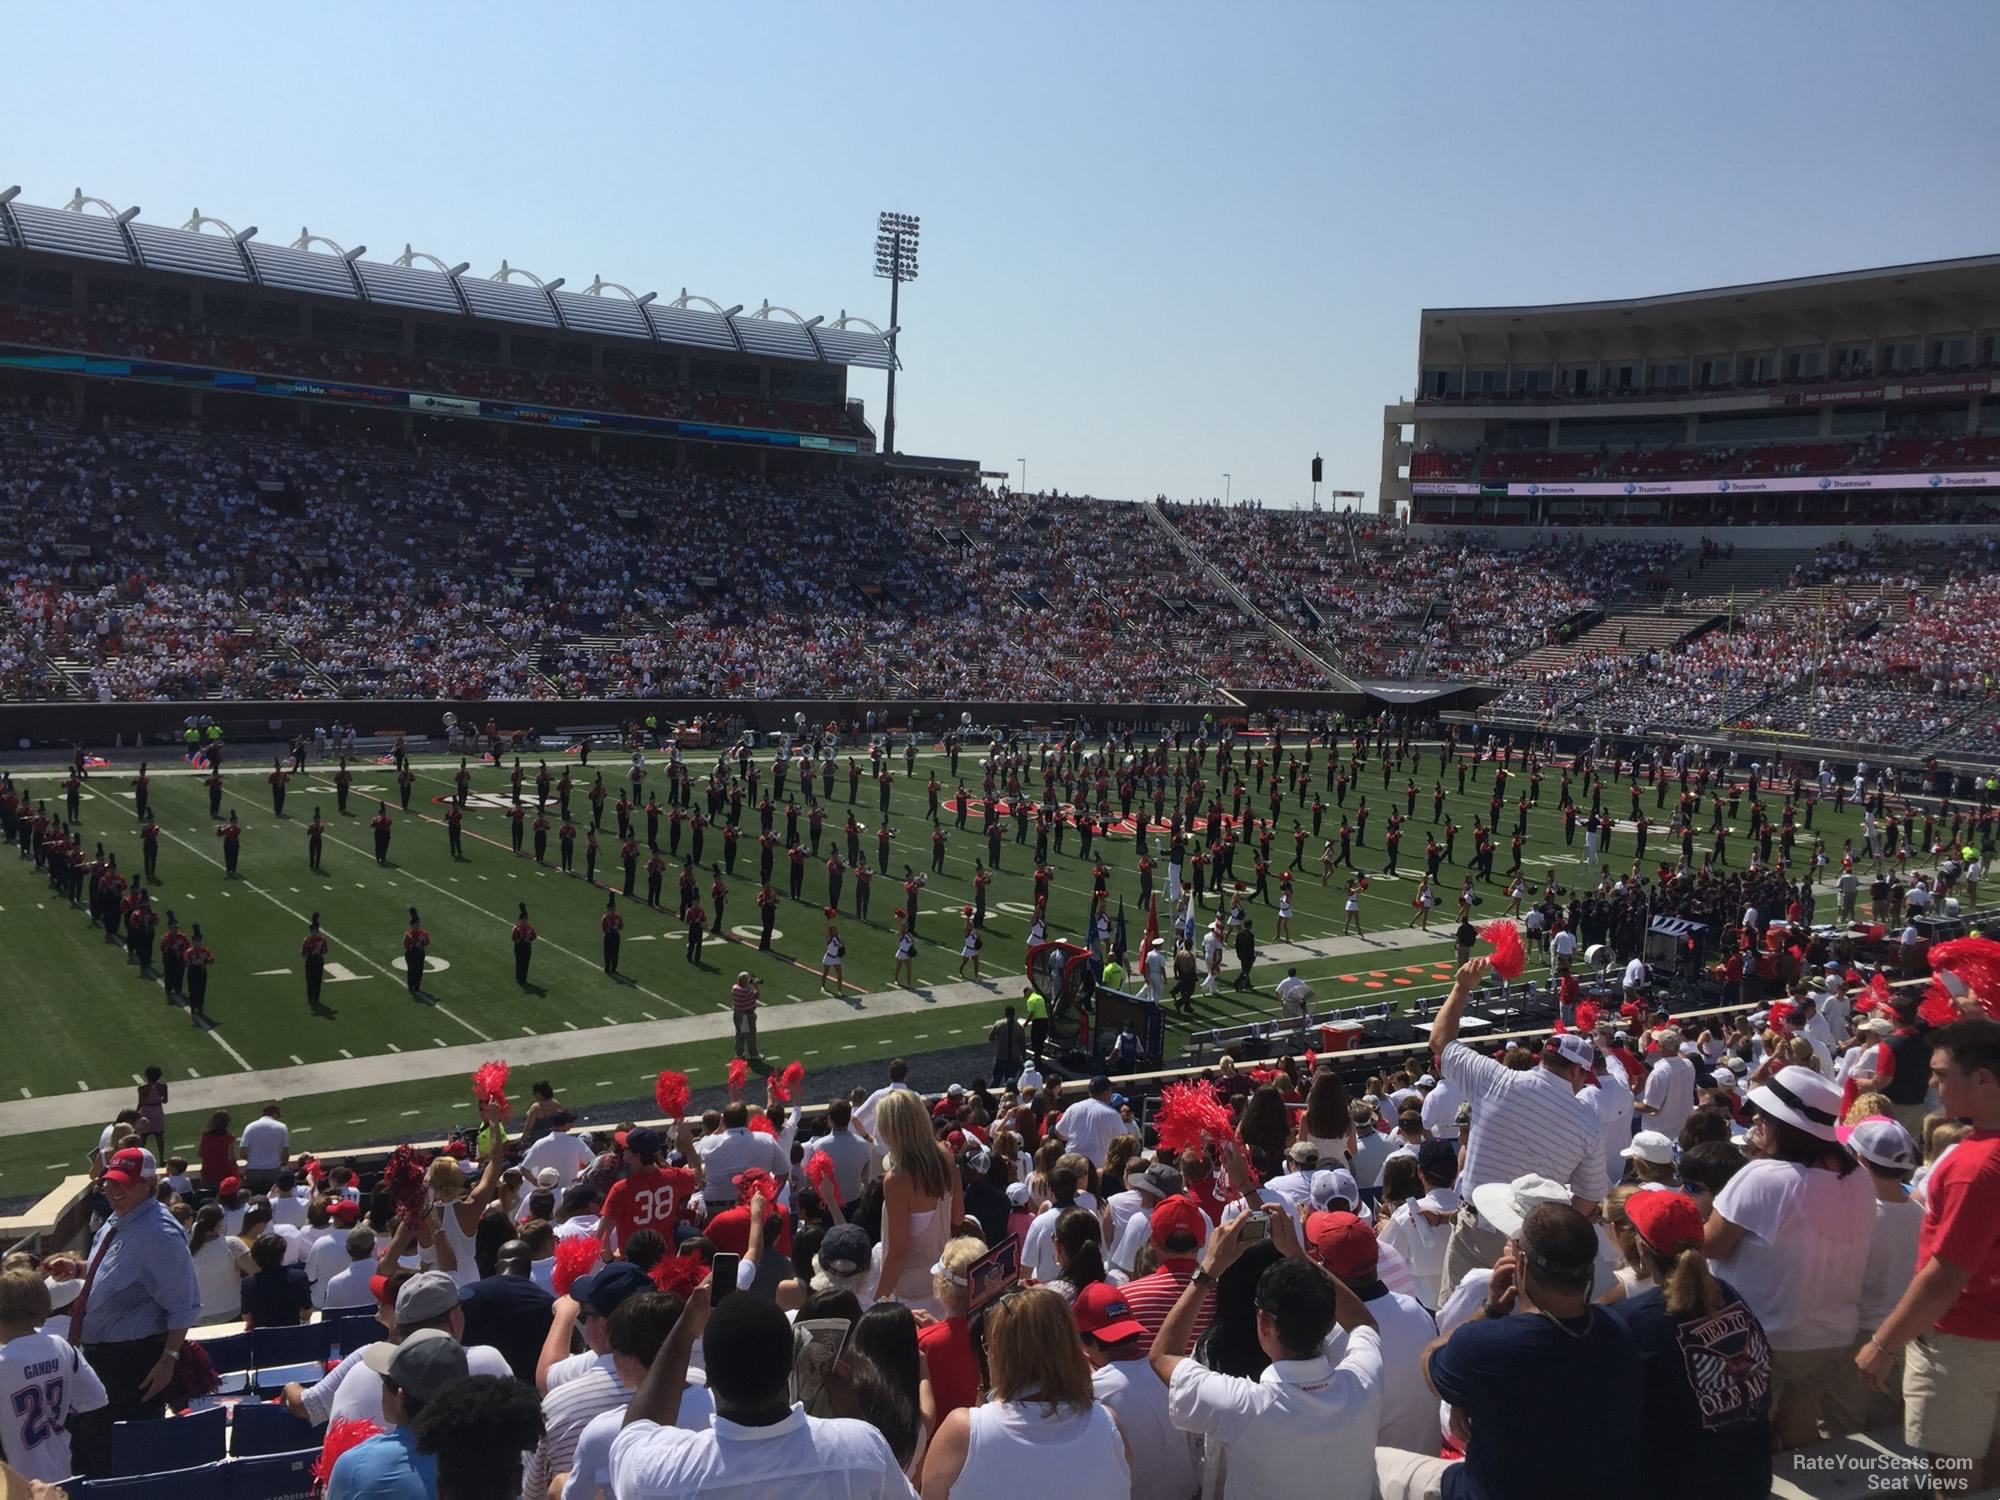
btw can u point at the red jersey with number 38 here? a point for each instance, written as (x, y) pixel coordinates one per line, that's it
(651, 1198)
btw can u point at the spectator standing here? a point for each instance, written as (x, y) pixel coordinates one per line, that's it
(1530, 1124)
(477, 1431)
(1947, 1324)
(946, 1341)
(1669, 1094)
(43, 1382)
(388, 1465)
(1088, 1126)
(509, 1311)
(758, 1442)
(217, 1150)
(1164, 1464)
(1346, 1246)
(1307, 1414)
(921, 1200)
(1714, 1437)
(152, 1122)
(1790, 1232)
(140, 1296)
(267, 1146)
(275, 1295)
(639, 1322)
(1537, 1332)
(743, 997)
(221, 1262)
(569, 1156)
(1041, 1412)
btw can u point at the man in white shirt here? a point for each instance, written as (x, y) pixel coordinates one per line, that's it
(1528, 1123)
(864, 1112)
(1164, 1465)
(1038, 1245)
(1158, 1182)
(1562, 947)
(1610, 1095)
(428, 1299)
(1669, 1095)
(1295, 1185)
(266, 1147)
(1441, 1101)
(1294, 999)
(847, 1151)
(1348, 1248)
(1306, 1415)
(736, 1149)
(1089, 1126)
(1635, 979)
(758, 1442)
(567, 1154)
(349, 1285)
(288, 1208)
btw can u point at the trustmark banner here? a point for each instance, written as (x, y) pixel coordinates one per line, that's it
(1777, 485)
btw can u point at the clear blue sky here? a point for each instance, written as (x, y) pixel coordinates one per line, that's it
(1161, 242)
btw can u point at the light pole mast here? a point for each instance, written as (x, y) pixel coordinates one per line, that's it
(895, 259)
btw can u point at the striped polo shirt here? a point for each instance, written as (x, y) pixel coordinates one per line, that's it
(1524, 1121)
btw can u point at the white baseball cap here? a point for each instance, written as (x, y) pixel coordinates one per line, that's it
(1652, 1146)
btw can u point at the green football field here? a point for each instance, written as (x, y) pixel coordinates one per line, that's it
(83, 1018)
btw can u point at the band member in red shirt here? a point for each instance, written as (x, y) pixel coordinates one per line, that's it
(416, 944)
(405, 779)
(517, 820)
(199, 959)
(214, 785)
(173, 958)
(524, 947)
(231, 834)
(313, 951)
(343, 779)
(141, 788)
(278, 778)
(541, 839)
(613, 925)
(381, 823)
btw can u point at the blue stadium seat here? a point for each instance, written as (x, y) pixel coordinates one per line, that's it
(168, 1442)
(230, 1356)
(260, 1428)
(279, 1476)
(206, 1482)
(282, 1354)
(353, 1331)
(338, 1314)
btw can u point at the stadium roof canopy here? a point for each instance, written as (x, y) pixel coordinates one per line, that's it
(316, 266)
(1886, 296)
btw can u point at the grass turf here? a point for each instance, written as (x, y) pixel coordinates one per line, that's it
(85, 1018)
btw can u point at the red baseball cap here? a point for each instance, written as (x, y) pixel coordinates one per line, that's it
(128, 1167)
(1341, 1242)
(378, 1288)
(1102, 1311)
(345, 1209)
(1669, 1222)
(230, 1185)
(1177, 1215)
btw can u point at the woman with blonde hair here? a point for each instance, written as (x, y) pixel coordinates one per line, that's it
(1041, 1414)
(460, 1207)
(1634, 1268)
(946, 1343)
(922, 1200)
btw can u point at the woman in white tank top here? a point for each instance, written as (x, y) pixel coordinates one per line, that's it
(459, 1210)
(922, 1201)
(1040, 1417)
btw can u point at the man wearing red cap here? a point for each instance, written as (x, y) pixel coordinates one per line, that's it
(140, 1296)
(1306, 1415)
(1164, 1466)
(1347, 1247)
(1179, 1231)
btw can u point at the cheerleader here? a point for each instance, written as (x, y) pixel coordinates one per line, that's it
(1353, 922)
(1038, 930)
(968, 948)
(1326, 865)
(1516, 888)
(1282, 933)
(906, 956)
(831, 972)
(1421, 904)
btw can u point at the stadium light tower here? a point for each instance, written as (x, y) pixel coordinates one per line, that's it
(896, 259)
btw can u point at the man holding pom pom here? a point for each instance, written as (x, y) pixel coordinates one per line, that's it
(1527, 1123)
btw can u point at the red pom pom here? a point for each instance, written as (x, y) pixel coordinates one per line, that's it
(1586, 1017)
(760, 1124)
(786, 1085)
(819, 1172)
(346, 1433)
(403, 1179)
(314, 1169)
(1509, 957)
(739, 1074)
(575, 1256)
(1938, 1008)
(1312, 1062)
(1781, 1017)
(679, 1274)
(1878, 993)
(1188, 1114)
(1975, 963)
(670, 1093)
(832, 912)
(756, 1183)
(489, 1086)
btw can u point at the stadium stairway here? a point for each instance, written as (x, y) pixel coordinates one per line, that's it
(1746, 575)
(1271, 627)
(1645, 630)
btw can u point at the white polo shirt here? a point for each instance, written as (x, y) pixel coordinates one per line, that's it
(1088, 1128)
(801, 1458)
(264, 1142)
(567, 1153)
(1300, 1417)
(1528, 1121)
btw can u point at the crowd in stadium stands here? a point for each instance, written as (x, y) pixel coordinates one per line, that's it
(1878, 453)
(1865, 650)
(110, 329)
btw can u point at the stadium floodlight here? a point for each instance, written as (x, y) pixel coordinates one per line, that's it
(129, 215)
(896, 237)
(459, 270)
(550, 286)
(730, 312)
(642, 301)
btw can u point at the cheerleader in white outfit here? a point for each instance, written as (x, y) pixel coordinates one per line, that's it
(968, 948)
(831, 973)
(906, 955)
(1283, 931)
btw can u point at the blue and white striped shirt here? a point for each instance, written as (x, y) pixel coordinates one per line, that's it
(146, 1283)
